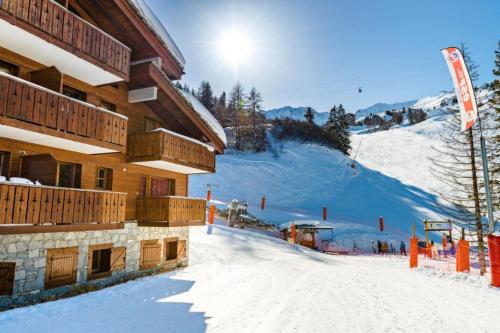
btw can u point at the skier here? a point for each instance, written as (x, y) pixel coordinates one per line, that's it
(402, 248)
(379, 246)
(374, 249)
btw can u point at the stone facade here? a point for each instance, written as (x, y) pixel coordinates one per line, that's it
(29, 252)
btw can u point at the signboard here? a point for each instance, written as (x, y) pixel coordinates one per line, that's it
(463, 86)
(437, 226)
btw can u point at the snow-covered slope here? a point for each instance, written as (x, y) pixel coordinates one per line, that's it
(304, 178)
(296, 113)
(240, 281)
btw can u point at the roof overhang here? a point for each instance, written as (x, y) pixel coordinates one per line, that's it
(146, 74)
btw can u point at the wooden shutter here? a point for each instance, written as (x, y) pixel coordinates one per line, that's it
(62, 265)
(181, 249)
(150, 254)
(118, 258)
(7, 271)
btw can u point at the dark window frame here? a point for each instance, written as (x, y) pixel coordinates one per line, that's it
(75, 178)
(106, 179)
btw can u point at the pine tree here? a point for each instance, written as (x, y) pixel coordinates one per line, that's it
(495, 158)
(309, 115)
(205, 96)
(256, 118)
(220, 110)
(458, 166)
(344, 136)
(236, 114)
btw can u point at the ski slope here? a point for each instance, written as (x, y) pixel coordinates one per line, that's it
(240, 281)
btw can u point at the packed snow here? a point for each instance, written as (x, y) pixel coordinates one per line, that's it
(240, 281)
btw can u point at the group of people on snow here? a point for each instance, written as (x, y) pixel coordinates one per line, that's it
(382, 247)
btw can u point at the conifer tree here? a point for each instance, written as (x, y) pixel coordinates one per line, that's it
(205, 96)
(236, 114)
(256, 118)
(309, 115)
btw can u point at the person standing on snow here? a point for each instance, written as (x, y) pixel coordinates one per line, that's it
(402, 248)
(374, 249)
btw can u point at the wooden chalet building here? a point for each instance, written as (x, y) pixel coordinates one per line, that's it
(96, 147)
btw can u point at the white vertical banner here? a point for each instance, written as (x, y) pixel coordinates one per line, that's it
(463, 86)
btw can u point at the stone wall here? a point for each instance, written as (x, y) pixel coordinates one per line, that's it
(29, 252)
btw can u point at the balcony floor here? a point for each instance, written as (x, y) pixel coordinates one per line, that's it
(34, 137)
(36, 48)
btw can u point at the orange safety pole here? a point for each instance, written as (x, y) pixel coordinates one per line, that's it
(494, 251)
(445, 243)
(381, 223)
(463, 262)
(211, 214)
(293, 232)
(209, 194)
(429, 250)
(324, 213)
(413, 252)
(263, 203)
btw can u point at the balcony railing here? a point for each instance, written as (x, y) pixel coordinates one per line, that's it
(42, 205)
(57, 25)
(169, 147)
(44, 111)
(171, 211)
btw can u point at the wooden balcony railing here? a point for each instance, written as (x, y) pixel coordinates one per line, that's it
(41, 205)
(170, 147)
(171, 211)
(45, 111)
(54, 23)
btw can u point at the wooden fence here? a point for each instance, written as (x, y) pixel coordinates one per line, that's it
(59, 26)
(32, 104)
(176, 211)
(157, 144)
(38, 205)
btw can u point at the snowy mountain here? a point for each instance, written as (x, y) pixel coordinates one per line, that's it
(381, 108)
(296, 113)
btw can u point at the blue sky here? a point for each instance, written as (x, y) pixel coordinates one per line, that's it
(317, 53)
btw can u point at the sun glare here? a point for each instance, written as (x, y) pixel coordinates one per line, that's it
(235, 47)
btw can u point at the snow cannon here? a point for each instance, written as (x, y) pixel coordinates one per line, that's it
(242, 208)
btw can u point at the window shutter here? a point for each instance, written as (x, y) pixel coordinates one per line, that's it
(181, 249)
(62, 265)
(150, 254)
(7, 271)
(118, 258)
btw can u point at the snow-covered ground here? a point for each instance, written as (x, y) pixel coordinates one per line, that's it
(240, 281)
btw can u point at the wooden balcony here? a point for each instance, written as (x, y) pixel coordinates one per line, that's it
(166, 150)
(38, 115)
(171, 211)
(48, 33)
(46, 206)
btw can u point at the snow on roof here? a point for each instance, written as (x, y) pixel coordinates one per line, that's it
(158, 28)
(205, 115)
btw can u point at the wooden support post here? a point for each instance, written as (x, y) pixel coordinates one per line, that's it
(413, 252)
(211, 214)
(293, 232)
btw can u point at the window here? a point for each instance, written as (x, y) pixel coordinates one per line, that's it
(8, 68)
(61, 267)
(108, 106)
(74, 93)
(104, 259)
(156, 187)
(69, 175)
(104, 179)
(7, 271)
(4, 163)
(150, 124)
(170, 249)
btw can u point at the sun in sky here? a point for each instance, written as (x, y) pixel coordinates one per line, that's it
(236, 47)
